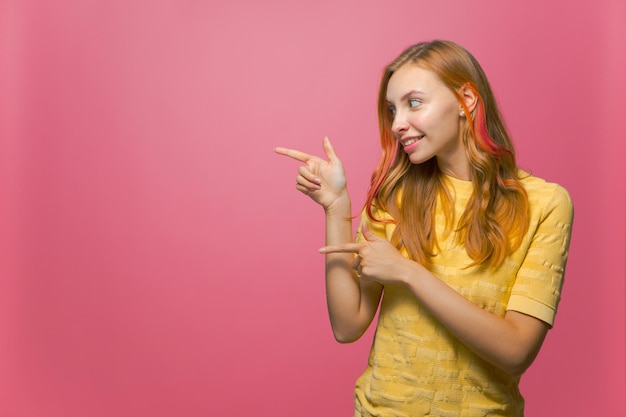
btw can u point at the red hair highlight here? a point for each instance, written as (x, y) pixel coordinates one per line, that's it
(478, 126)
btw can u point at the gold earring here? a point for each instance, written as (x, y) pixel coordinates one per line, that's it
(462, 113)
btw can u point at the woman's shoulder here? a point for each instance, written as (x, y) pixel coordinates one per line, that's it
(537, 185)
(548, 196)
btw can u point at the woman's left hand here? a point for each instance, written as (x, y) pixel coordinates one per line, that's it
(376, 259)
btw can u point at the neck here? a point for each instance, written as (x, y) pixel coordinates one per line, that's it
(460, 172)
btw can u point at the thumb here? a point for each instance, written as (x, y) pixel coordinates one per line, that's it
(329, 149)
(369, 235)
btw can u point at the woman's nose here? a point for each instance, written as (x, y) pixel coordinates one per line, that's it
(399, 125)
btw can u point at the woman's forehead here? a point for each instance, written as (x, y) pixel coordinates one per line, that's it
(412, 78)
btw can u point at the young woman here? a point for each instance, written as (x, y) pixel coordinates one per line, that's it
(464, 252)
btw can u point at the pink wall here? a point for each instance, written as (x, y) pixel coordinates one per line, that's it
(155, 258)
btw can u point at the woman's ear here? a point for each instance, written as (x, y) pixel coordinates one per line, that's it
(469, 96)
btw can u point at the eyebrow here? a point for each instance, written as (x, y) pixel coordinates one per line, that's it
(407, 95)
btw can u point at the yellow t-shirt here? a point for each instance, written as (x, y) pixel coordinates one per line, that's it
(416, 367)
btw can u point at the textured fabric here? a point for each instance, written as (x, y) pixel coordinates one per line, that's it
(416, 367)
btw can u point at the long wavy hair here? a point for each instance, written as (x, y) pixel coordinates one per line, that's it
(497, 214)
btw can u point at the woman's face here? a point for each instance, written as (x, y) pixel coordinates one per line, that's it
(426, 119)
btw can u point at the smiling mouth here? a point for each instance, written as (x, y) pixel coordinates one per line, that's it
(411, 141)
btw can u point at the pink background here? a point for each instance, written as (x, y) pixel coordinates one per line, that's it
(156, 259)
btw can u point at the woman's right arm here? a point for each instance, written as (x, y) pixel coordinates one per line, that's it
(351, 304)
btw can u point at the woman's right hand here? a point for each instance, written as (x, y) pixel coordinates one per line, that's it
(323, 181)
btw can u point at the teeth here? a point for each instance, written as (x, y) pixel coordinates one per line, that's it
(411, 141)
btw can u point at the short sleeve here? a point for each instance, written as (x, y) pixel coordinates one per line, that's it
(537, 288)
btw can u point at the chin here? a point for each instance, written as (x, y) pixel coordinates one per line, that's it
(416, 159)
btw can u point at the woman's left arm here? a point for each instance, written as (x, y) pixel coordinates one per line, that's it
(510, 343)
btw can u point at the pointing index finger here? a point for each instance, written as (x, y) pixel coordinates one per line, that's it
(345, 248)
(294, 154)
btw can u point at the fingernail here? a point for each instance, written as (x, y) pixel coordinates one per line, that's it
(322, 250)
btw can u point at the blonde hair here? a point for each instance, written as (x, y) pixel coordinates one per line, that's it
(497, 215)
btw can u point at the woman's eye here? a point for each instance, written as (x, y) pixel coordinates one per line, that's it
(413, 102)
(391, 111)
